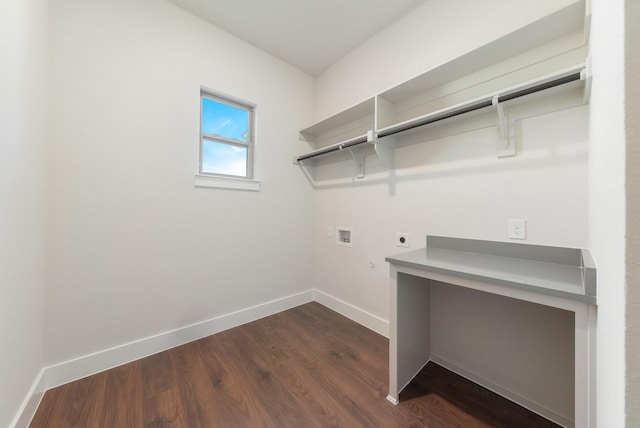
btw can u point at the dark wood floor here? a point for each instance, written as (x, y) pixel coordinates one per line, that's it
(305, 367)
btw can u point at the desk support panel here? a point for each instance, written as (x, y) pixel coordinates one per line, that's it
(410, 332)
(410, 342)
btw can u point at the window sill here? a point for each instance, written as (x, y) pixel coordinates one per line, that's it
(226, 183)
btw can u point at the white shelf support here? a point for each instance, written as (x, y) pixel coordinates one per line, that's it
(506, 127)
(359, 159)
(383, 139)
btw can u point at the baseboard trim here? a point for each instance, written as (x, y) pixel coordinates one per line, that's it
(78, 368)
(87, 365)
(509, 395)
(30, 404)
(352, 312)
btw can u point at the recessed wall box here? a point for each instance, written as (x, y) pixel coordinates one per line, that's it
(344, 236)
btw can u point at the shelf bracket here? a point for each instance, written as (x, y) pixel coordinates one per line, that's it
(506, 128)
(358, 156)
(359, 159)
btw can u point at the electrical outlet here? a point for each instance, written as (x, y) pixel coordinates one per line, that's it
(517, 229)
(329, 231)
(402, 240)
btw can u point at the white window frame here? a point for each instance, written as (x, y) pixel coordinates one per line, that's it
(206, 179)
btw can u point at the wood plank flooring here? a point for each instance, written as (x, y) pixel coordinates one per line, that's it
(305, 367)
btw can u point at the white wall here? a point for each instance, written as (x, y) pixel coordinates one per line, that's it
(432, 34)
(500, 354)
(133, 248)
(607, 204)
(23, 50)
(632, 102)
(457, 187)
(452, 186)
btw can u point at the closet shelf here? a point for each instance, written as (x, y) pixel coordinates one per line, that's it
(344, 122)
(544, 56)
(578, 73)
(573, 74)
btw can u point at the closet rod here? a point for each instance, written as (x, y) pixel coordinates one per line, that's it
(436, 118)
(336, 148)
(541, 87)
(481, 104)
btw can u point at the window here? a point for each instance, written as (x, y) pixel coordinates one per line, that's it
(226, 136)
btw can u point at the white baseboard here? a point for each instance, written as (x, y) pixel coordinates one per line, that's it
(68, 371)
(354, 313)
(30, 404)
(80, 367)
(509, 395)
(87, 365)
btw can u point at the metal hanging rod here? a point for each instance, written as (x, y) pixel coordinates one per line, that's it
(345, 145)
(562, 78)
(318, 153)
(541, 87)
(573, 76)
(435, 118)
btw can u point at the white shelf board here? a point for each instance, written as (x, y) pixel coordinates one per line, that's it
(351, 114)
(461, 106)
(561, 23)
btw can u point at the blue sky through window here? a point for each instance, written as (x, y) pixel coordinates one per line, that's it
(224, 120)
(230, 123)
(221, 158)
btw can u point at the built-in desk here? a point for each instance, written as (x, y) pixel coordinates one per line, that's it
(562, 278)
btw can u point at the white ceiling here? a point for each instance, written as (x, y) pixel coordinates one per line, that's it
(310, 34)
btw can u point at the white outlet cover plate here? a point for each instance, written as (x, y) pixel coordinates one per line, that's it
(517, 229)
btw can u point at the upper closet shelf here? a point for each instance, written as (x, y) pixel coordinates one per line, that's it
(543, 54)
(564, 79)
(354, 122)
(577, 73)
